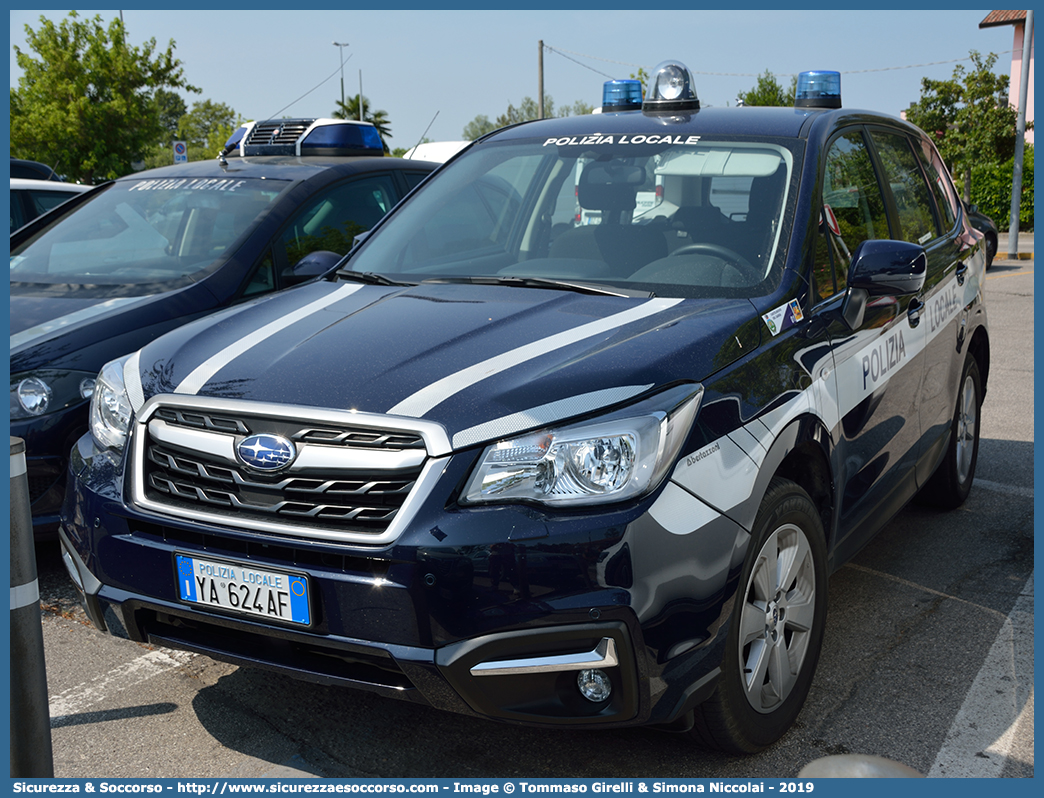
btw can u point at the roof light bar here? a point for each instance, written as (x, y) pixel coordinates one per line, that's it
(818, 89)
(306, 137)
(621, 95)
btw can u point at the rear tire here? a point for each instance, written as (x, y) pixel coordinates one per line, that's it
(776, 629)
(951, 483)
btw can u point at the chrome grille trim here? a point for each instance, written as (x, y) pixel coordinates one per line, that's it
(323, 484)
(315, 456)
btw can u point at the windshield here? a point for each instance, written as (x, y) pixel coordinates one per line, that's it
(701, 218)
(144, 232)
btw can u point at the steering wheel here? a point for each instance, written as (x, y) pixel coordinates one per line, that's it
(724, 253)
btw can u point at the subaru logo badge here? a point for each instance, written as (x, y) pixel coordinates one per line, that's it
(266, 452)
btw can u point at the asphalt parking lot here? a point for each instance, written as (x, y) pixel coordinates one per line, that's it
(928, 658)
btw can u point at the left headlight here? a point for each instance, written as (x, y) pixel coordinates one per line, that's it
(611, 460)
(110, 406)
(37, 393)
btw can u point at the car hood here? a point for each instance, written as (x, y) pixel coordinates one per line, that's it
(477, 359)
(51, 323)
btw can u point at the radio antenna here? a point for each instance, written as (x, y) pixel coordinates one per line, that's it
(432, 122)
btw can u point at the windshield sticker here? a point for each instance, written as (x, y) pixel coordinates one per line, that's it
(598, 138)
(186, 184)
(783, 317)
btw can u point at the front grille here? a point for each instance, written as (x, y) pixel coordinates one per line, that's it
(362, 503)
(316, 660)
(346, 479)
(38, 486)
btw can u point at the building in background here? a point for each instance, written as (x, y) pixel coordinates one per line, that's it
(1018, 20)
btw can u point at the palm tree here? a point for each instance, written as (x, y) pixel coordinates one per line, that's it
(349, 109)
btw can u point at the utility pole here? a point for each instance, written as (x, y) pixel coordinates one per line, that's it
(360, 98)
(341, 52)
(540, 81)
(1020, 138)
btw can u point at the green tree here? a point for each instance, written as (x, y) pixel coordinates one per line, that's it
(579, 108)
(206, 128)
(767, 91)
(478, 127)
(643, 78)
(349, 109)
(170, 107)
(526, 111)
(993, 182)
(87, 101)
(968, 117)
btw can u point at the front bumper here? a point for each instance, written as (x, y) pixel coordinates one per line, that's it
(491, 612)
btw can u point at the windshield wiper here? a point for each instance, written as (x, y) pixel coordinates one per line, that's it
(543, 282)
(370, 278)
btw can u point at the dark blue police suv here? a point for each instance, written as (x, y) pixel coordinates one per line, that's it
(115, 268)
(575, 437)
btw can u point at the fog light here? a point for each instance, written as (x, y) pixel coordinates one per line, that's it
(594, 685)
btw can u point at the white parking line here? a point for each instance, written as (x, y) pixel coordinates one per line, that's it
(999, 704)
(77, 699)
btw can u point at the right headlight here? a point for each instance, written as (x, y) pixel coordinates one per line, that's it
(110, 406)
(618, 458)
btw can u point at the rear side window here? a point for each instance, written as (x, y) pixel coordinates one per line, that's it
(43, 201)
(940, 183)
(912, 196)
(17, 213)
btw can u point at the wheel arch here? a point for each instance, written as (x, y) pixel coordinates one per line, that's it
(979, 348)
(801, 452)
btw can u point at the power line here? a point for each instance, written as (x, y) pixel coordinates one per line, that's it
(563, 52)
(585, 66)
(320, 83)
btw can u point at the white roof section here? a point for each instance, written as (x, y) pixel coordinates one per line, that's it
(435, 151)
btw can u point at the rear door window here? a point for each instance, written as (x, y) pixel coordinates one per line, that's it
(913, 198)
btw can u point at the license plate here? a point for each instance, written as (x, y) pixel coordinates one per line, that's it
(244, 588)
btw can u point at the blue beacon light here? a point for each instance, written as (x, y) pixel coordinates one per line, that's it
(621, 95)
(818, 89)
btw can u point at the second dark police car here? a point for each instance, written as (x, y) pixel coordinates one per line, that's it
(516, 466)
(117, 267)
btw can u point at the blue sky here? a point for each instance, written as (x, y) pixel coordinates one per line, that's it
(443, 68)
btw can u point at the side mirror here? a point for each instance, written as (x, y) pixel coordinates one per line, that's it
(313, 265)
(882, 268)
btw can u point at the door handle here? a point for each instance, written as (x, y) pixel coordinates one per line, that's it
(962, 272)
(914, 311)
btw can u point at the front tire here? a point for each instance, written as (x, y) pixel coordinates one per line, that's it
(951, 483)
(776, 630)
